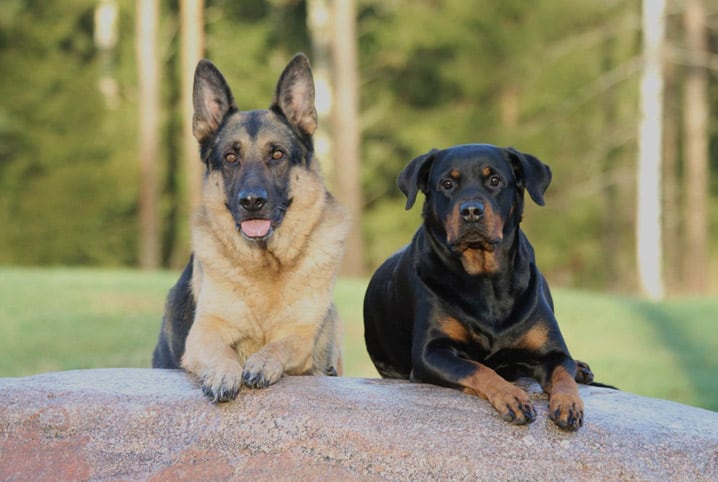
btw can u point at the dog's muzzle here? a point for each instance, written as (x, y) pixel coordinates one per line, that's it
(474, 225)
(254, 222)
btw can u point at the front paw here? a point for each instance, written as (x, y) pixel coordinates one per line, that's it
(221, 384)
(566, 410)
(514, 405)
(261, 370)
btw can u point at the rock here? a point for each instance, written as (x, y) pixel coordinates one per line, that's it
(155, 425)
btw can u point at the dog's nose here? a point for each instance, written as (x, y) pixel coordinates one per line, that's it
(253, 200)
(471, 211)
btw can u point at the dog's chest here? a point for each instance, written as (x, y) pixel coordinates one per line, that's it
(260, 299)
(491, 325)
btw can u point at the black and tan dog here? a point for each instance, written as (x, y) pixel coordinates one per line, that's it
(255, 300)
(464, 305)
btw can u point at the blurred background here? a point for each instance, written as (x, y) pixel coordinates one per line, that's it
(99, 172)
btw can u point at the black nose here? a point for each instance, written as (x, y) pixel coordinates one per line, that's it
(252, 200)
(471, 211)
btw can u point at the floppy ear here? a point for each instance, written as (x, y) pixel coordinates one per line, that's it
(531, 173)
(415, 176)
(294, 95)
(211, 98)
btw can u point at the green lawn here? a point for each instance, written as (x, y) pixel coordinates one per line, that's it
(61, 319)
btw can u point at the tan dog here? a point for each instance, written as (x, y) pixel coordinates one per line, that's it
(255, 300)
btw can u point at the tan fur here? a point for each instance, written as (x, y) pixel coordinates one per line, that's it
(508, 399)
(534, 339)
(564, 404)
(454, 329)
(266, 308)
(475, 261)
(479, 261)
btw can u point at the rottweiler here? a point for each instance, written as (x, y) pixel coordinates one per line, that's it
(255, 299)
(464, 305)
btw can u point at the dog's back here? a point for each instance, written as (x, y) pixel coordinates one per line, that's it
(388, 328)
(176, 322)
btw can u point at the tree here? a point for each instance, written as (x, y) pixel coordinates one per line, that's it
(191, 51)
(695, 156)
(648, 217)
(148, 132)
(345, 129)
(319, 23)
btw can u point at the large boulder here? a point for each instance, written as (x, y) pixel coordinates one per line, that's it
(132, 424)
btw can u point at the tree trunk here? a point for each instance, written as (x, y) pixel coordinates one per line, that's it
(319, 22)
(345, 129)
(191, 51)
(648, 219)
(672, 222)
(148, 135)
(695, 155)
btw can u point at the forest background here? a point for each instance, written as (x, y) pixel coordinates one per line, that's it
(558, 79)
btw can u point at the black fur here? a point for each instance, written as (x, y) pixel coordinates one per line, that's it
(179, 314)
(466, 290)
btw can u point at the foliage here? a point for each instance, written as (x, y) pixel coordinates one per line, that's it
(500, 73)
(61, 319)
(65, 192)
(558, 80)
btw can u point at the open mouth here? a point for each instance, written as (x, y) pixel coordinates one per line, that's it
(255, 229)
(262, 226)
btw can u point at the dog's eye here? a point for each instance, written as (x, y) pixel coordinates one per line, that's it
(495, 181)
(278, 155)
(447, 184)
(230, 157)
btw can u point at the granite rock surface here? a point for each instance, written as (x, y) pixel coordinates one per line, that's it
(143, 424)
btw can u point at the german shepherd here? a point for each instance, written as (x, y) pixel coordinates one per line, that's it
(255, 300)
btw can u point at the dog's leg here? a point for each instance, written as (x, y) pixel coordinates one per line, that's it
(327, 352)
(512, 403)
(435, 360)
(209, 355)
(287, 352)
(442, 367)
(565, 404)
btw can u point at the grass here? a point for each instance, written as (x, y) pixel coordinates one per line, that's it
(61, 319)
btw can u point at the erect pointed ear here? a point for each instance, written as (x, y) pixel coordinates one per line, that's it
(211, 98)
(294, 95)
(415, 176)
(531, 173)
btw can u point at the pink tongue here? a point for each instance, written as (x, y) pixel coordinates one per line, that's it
(256, 228)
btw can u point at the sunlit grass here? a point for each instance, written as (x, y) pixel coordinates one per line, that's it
(60, 319)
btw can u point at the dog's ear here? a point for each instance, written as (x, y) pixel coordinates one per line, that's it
(211, 98)
(415, 176)
(531, 174)
(294, 95)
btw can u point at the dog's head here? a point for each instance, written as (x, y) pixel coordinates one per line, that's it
(249, 154)
(474, 198)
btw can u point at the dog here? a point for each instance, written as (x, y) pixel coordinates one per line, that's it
(464, 305)
(255, 299)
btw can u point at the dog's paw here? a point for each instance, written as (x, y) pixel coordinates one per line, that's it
(566, 410)
(222, 385)
(584, 374)
(514, 405)
(261, 370)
